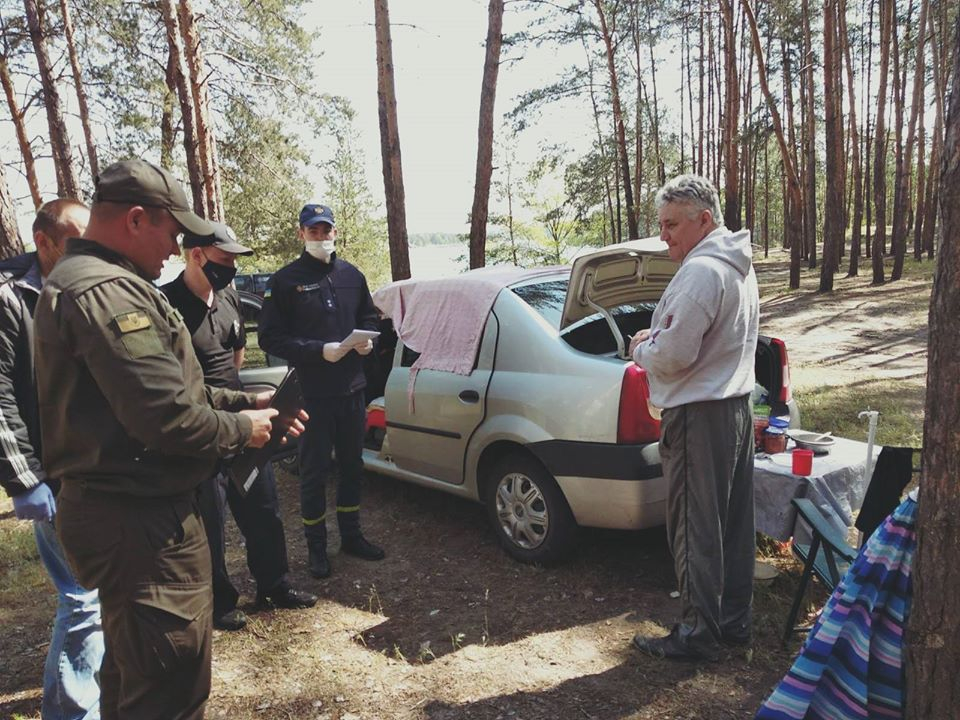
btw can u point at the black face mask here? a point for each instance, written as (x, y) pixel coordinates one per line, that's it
(217, 274)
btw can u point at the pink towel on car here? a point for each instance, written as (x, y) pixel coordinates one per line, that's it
(444, 319)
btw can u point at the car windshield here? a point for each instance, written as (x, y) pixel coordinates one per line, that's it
(547, 298)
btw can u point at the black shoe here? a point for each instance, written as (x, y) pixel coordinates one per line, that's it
(318, 564)
(287, 598)
(736, 640)
(672, 647)
(231, 621)
(358, 546)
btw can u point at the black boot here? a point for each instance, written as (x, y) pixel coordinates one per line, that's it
(319, 565)
(358, 546)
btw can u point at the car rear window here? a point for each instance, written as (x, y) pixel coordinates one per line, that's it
(546, 298)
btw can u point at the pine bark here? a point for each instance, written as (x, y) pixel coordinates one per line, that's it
(67, 184)
(177, 72)
(808, 140)
(206, 137)
(26, 151)
(731, 120)
(10, 242)
(488, 95)
(81, 90)
(880, 145)
(791, 179)
(390, 146)
(898, 233)
(632, 228)
(833, 222)
(933, 637)
(856, 163)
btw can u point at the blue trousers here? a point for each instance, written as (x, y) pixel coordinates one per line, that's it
(71, 687)
(335, 423)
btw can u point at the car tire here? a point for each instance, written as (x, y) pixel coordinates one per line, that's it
(528, 511)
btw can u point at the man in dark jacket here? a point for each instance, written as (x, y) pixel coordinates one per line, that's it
(210, 307)
(70, 687)
(309, 307)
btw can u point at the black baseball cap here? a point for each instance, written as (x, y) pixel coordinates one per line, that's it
(137, 182)
(223, 237)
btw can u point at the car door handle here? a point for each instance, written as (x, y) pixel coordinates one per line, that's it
(470, 396)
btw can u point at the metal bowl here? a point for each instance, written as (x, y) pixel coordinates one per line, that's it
(818, 442)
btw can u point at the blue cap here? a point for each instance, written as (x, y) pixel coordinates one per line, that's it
(313, 214)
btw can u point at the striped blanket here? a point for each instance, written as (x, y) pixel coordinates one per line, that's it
(852, 665)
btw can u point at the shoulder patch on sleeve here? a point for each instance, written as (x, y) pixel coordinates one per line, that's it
(132, 321)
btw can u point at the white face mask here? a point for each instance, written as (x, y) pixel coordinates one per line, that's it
(320, 249)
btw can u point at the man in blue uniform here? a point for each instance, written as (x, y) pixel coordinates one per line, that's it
(211, 310)
(310, 306)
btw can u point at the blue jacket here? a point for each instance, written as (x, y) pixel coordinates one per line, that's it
(307, 304)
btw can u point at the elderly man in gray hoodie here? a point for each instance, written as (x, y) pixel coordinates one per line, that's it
(699, 357)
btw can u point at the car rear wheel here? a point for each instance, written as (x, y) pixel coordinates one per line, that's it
(528, 511)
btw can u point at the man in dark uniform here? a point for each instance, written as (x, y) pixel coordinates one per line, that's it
(130, 431)
(210, 307)
(308, 308)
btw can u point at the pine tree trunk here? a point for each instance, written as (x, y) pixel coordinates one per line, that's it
(731, 121)
(921, 189)
(833, 225)
(67, 184)
(206, 138)
(898, 234)
(794, 205)
(175, 67)
(936, 145)
(856, 231)
(618, 123)
(167, 128)
(488, 94)
(933, 637)
(880, 147)
(26, 152)
(809, 140)
(81, 91)
(10, 242)
(390, 146)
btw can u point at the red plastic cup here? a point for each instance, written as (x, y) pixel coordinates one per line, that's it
(802, 461)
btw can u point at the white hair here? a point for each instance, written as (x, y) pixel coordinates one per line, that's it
(694, 190)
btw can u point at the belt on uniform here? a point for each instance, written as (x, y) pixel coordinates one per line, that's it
(79, 491)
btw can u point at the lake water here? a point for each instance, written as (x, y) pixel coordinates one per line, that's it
(433, 261)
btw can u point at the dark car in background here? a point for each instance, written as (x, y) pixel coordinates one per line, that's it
(253, 283)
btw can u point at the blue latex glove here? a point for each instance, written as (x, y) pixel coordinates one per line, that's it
(37, 503)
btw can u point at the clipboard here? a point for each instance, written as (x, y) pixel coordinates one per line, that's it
(245, 467)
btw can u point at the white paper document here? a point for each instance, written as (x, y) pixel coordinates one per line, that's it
(358, 338)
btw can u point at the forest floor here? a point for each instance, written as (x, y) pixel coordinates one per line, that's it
(448, 627)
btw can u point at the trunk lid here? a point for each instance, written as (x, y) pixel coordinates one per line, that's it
(632, 272)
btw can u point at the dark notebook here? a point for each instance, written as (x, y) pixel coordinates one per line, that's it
(245, 468)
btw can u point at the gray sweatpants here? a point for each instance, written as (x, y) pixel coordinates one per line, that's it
(707, 453)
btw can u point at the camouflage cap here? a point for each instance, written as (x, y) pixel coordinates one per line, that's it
(137, 182)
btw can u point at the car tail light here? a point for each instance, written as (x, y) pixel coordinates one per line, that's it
(635, 423)
(786, 394)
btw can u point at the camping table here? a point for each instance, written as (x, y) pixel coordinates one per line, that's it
(836, 486)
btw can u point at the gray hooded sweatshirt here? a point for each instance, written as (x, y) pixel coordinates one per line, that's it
(703, 334)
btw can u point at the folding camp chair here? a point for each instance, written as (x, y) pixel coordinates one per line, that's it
(828, 555)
